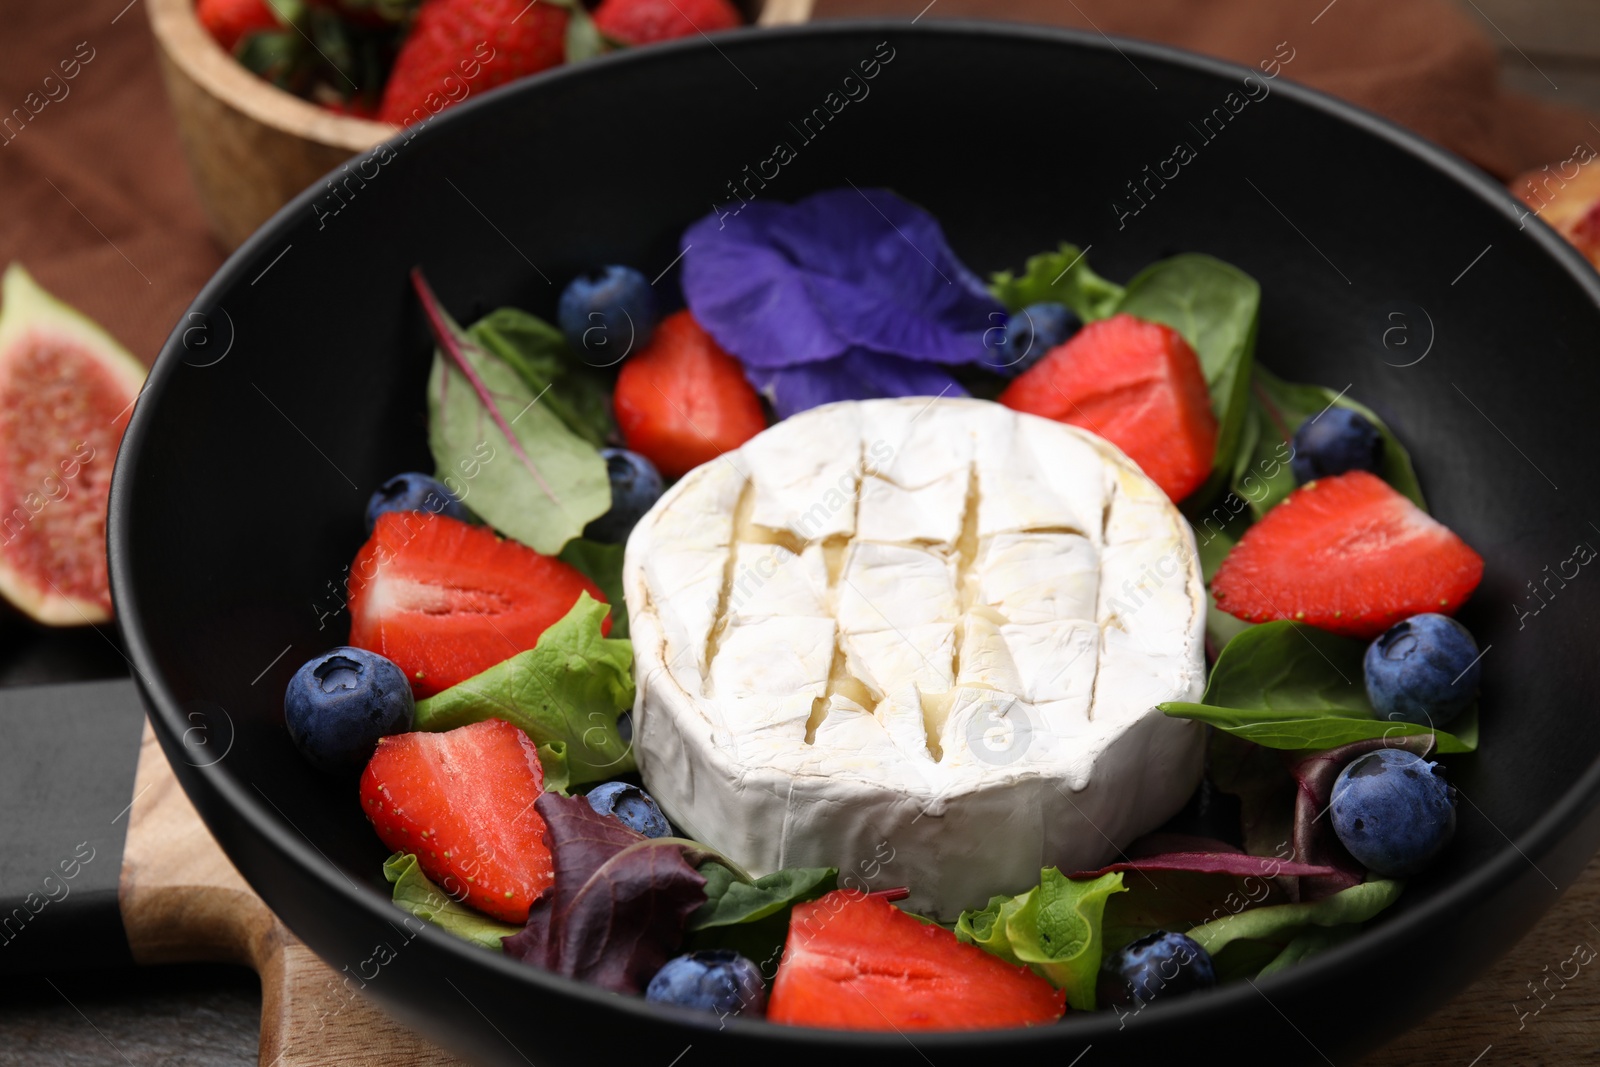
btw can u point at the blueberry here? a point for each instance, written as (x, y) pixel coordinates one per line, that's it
(635, 487)
(414, 492)
(716, 980)
(1156, 966)
(632, 805)
(1335, 441)
(1393, 811)
(1423, 670)
(339, 703)
(607, 315)
(1032, 332)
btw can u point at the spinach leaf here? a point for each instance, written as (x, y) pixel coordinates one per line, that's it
(539, 352)
(1287, 685)
(519, 465)
(730, 900)
(1055, 928)
(1278, 409)
(1289, 666)
(1264, 786)
(1061, 277)
(602, 565)
(1214, 539)
(416, 893)
(1303, 730)
(1216, 308)
(751, 917)
(568, 689)
(617, 908)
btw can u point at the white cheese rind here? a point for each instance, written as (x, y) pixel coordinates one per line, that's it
(1011, 656)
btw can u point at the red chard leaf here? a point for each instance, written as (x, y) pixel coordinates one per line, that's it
(1314, 839)
(617, 909)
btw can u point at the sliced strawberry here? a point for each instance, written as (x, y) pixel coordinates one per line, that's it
(1346, 554)
(682, 401)
(446, 600)
(857, 962)
(230, 21)
(638, 22)
(1139, 385)
(462, 801)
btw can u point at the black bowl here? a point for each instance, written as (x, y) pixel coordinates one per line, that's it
(296, 384)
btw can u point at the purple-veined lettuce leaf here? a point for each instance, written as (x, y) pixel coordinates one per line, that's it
(617, 909)
(1314, 839)
(1203, 855)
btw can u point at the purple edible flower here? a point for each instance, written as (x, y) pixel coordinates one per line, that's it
(847, 295)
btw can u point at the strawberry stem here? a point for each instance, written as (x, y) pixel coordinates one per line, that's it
(444, 332)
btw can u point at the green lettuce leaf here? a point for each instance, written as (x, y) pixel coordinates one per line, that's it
(505, 452)
(415, 893)
(577, 394)
(1287, 685)
(1238, 942)
(602, 565)
(1055, 928)
(1062, 277)
(567, 689)
(1277, 410)
(1309, 943)
(1215, 307)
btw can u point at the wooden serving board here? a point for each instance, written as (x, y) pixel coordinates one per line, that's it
(183, 901)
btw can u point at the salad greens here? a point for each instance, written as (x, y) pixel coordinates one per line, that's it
(1291, 686)
(602, 565)
(1061, 277)
(523, 470)
(577, 394)
(1277, 409)
(568, 690)
(616, 911)
(415, 892)
(1055, 928)
(1279, 925)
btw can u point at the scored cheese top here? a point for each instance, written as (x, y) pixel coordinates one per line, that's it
(879, 614)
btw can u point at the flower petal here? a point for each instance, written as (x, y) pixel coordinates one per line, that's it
(859, 375)
(780, 285)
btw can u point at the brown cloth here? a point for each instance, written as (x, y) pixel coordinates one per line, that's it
(95, 199)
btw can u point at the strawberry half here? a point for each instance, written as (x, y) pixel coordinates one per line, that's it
(857, 962)
(682, 401)
(638, 22)
(446, 600)
(1349, 555)
(462, 801)
(458, 48)
(1139, 385)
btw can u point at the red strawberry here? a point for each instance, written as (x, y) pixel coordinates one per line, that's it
(682, 401)
(459, 47)
(647, 21)
(462, 800)
(1139, 385)
(1346, 554)
(445, 599)
(228, 21)
(857, 962)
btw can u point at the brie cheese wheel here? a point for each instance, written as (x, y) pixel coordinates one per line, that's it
(921, 641)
